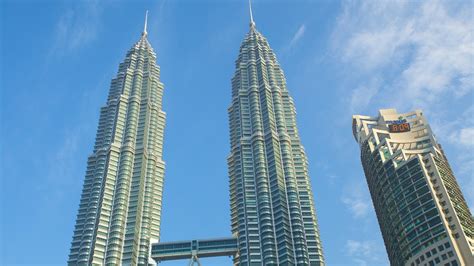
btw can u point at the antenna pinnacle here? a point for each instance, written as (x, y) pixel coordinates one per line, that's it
(252, 23)
(146, 22)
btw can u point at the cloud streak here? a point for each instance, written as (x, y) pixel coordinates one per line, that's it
(298, 35)
(76, 27)
(363, 95)
(356, 200)
(364, 252)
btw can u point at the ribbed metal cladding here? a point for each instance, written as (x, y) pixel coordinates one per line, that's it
(272, 209)
(120, 207)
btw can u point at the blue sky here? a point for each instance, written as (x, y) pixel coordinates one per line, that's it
(340, 58)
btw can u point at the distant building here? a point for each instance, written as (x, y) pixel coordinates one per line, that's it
(120, 208)
(421, 211)
(272, 205)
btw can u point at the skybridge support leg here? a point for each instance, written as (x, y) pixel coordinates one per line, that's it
(194, 259)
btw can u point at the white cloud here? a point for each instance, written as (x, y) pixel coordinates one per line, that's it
(60, 166)
(464, 136)
(362, 96)
(365, 252)
(357, 200)
(422, 50)
(76, 27)
(298, 35)
(363, 248)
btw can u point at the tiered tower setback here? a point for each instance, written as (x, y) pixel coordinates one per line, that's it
(272, 210)
(120, 208)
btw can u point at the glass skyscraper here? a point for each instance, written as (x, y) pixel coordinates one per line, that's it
(272, 210)
(120, 207)
(421, 211)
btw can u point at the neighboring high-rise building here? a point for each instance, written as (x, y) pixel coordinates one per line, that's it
(120, 207)
(421, 211)
(272, 210)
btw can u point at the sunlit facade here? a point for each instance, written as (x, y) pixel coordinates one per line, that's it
(120, 208)
(272, 210)
(420, 208)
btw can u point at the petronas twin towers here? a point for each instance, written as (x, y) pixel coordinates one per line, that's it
(273, 216)
(120, 207)
(272, 206)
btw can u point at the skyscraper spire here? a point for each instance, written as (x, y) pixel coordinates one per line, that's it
(120, 209)
(273, 215)
(146, 22)
(252, 23)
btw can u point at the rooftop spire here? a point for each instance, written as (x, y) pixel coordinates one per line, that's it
(146, 22)
(252, 23)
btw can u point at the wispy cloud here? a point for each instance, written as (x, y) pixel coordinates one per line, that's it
(76, 27)
(465, 136)
(364, 252)
(356, 200)
(362, 96)
(421, 50)
(60, 166)
(298, 35)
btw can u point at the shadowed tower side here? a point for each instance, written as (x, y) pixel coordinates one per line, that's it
(120, 207)
(272, 210)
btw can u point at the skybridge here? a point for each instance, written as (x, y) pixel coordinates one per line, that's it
(194, 249)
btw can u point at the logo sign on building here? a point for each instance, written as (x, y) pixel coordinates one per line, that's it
(399, 128)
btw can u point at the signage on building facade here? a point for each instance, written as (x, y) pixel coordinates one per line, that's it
(398, 128)
(396, 122)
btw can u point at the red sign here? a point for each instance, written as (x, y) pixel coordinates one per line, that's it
(398, 128)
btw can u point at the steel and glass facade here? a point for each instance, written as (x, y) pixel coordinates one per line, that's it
(120, 206)
(194, 249)
(421, 211)
(272, 210)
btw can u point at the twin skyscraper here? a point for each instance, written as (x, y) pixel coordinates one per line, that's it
(273, 216)
(272, 211)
